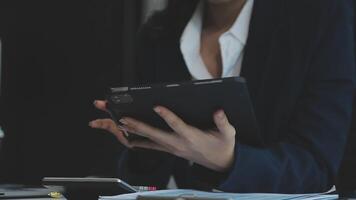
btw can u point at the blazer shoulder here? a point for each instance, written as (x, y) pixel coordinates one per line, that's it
(318, 9)
(318, 6)
(311, 20)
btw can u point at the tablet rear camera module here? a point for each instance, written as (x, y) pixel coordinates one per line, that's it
(122, 99)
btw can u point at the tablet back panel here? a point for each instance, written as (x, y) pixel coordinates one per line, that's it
(195, 102)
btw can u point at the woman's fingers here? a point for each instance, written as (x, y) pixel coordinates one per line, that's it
(223, 124)
(145, 130)
(173, 121)
(110, 126)
(101, 105)
(147, 144)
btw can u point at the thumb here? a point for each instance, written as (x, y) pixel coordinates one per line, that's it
(223, 124)
(101, 105)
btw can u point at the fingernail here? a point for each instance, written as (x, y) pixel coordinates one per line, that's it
(124, 122)
(221, 114)
(91, 124)
(95, 102)
(123, 129)
(157, 110)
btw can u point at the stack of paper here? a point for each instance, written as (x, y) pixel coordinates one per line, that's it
(230, 196)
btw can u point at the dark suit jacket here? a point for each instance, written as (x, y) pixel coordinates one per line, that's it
(347, 173)
(299, 65)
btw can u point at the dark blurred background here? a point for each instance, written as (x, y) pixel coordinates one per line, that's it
(58, 57)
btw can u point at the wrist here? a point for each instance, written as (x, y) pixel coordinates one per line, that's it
(225, 161)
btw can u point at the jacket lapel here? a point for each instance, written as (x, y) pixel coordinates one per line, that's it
(171, 66)
(266, 18)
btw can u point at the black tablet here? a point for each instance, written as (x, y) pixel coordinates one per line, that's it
(194, 101)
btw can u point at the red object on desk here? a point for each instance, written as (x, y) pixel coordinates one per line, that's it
(145, 188)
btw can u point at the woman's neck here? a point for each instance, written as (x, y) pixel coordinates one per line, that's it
(222, 15)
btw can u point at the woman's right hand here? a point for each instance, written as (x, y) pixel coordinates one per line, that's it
(109, 125)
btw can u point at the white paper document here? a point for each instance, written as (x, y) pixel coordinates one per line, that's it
(229, 196)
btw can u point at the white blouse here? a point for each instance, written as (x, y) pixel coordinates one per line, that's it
(232, 43)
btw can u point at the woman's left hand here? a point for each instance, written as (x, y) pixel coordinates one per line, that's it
(212, 149)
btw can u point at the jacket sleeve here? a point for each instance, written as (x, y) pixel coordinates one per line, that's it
(308, 160)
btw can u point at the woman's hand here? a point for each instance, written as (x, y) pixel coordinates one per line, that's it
(212, 149)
